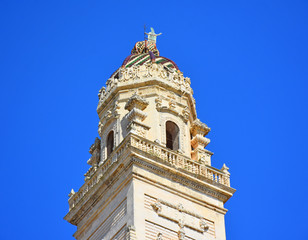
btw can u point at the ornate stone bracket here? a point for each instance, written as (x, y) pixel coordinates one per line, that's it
(94, 160)
(180, 215)
(135, 105)
(199, 142)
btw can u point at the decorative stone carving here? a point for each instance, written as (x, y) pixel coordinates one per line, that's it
(172, 104)
(203, 225)
(135, 105)
(159, 236)
(136, 101)
(157, 207)
(146, 72)
(95, 152)
(199, 128)
(199, 142)
(94, 160)
(111, 113)
(185, 114)
(159, 103)
(101, 93)
(180, 215)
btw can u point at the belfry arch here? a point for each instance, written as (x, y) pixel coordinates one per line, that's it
(110, 142)
(172, 136)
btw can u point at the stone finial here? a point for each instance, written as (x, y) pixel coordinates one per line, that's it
(136, 101)
(225, 169)
(71, 193)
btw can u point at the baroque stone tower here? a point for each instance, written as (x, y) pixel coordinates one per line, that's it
(150, 176)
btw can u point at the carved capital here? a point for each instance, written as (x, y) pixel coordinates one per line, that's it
(199, 142)
(199, 128)
(137, 115)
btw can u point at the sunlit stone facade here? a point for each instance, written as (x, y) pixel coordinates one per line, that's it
(150, 176)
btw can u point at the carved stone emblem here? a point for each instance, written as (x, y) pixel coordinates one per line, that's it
(181, 216)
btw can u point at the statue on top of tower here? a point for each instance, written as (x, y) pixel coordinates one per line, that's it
(152, 35)
(146, 46)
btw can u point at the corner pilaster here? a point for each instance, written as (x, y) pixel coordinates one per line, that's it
(135, 105)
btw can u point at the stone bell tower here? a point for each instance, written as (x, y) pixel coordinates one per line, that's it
(150, 176)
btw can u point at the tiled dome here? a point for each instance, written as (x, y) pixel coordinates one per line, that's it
(143, 58)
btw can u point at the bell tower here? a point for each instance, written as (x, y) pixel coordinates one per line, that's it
(150, 176)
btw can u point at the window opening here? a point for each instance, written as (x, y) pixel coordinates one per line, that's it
(172, 135)
(110, 143)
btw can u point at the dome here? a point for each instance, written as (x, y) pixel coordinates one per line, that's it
(145, 52)
(144, 58)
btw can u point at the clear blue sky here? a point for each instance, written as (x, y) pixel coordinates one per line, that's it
(247, 61)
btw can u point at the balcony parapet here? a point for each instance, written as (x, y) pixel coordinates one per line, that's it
(133, 144)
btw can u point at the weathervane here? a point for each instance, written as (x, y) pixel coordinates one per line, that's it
(151, 35)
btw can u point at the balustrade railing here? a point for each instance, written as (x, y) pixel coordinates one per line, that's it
(180, 161)
(175, 159)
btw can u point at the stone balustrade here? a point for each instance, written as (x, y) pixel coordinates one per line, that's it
(179, 161)
(175, 159)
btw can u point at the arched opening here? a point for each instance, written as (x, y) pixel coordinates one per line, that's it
(172, 135)
(110, 141)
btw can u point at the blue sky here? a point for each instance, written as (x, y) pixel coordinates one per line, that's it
(247, 61)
